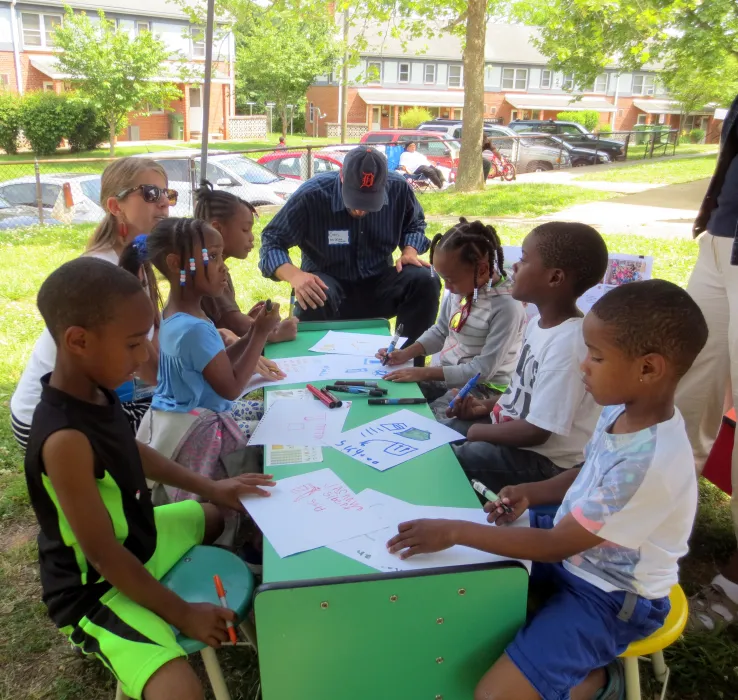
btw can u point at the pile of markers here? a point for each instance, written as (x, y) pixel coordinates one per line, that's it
(358, 388)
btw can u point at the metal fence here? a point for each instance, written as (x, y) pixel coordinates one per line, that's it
(67, 190)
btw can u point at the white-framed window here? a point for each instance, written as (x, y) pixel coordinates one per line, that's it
(568, 81)
(48, 86)
(457, 114)
(142, 28)
(546, 79)
(152, 109)
(429, 74)
(198, 42)
(600, 83)
(455, 76)
(403, 74)
(312, 112)
(514, 78)
(374, 71)
(4, 80)
(513, 115)
(38, 29)
(642, 119)
(644, 84)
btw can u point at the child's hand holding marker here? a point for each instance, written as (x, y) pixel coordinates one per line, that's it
(267, 319)
(393, 357)
(269, 369)
(510, 504)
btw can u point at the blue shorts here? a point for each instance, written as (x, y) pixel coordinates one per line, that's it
(578, 629)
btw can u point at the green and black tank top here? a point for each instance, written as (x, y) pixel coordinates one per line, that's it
(71, 586)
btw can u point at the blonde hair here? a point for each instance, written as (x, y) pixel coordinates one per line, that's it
(117, 177)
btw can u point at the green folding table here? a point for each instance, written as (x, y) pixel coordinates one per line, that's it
(331, 628)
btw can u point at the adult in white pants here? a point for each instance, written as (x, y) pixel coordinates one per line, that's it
(701, 394)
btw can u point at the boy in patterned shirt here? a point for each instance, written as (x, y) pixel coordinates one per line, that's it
(610, 556)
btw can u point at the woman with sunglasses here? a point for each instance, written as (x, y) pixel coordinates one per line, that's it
(135, 196)
(480, 327)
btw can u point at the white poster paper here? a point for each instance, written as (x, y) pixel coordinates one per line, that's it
(386, 442)
(309, 511)
(277, 455)
(357, 344)
(305, 422)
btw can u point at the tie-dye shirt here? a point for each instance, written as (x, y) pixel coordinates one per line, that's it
(639, 493)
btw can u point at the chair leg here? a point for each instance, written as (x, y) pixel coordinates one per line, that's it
(119, 694)
(632, 678)
(249, 631)
(215, 674)
(660, 669)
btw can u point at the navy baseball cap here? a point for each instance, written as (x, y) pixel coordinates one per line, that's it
(364, 179)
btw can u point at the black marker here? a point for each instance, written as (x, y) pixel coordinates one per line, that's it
(340, 382)
(396, 402)
(337, 401)
(268, 306)
(358, 390)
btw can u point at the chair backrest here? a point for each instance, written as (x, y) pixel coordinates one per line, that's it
(393, 154)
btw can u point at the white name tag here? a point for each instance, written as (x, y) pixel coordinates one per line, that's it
(338, 237)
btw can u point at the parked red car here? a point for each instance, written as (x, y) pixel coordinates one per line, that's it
(288, 163)
(431, 144)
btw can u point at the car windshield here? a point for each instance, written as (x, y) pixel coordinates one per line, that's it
(91, 189)
(247, 170)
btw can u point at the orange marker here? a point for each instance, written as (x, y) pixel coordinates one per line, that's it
(221, 596)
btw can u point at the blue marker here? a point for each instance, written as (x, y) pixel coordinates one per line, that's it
(393, 342)
(466, 389)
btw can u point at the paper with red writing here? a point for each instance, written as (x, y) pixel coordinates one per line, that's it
(309, 511)
(305, 422)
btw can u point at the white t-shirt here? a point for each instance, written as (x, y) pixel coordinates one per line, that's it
(639, 493)
(412, 161)
(546, 389)
(28, 392)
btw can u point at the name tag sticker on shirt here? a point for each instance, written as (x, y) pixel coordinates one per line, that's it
(338, 237)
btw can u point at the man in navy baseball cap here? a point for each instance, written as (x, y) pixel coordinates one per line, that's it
(348, 226)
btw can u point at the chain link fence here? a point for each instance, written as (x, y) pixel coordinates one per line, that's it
(67, 190)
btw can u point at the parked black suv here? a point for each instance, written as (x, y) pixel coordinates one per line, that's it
(573, 133)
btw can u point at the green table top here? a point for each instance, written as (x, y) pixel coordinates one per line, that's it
(435, 478)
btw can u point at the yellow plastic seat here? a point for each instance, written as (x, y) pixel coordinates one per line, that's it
(654, 645)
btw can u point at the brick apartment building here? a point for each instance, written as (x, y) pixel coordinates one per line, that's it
(28, 61)
(394, 75)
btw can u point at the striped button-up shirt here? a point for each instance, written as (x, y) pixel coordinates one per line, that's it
(332, 241)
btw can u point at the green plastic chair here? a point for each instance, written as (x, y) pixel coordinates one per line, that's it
(191, 579)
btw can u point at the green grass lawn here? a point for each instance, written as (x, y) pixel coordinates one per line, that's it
(526, 200)
(663, 172)
(35, 663)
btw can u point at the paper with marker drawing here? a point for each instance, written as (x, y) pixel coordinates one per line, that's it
(386, 442)
(317, 368)
(309, 511)
(359, 344)
(300, 422)
(371, 549)
(277, 455)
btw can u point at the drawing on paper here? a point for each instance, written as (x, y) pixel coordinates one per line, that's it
(397, 449)
(416, 434)
(622, 271)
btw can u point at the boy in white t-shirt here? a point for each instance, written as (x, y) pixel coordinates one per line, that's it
(540, 425)
(610, 556)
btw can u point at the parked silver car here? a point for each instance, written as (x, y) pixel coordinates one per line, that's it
(528, 154)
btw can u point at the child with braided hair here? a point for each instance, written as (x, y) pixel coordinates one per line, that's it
(480, 327)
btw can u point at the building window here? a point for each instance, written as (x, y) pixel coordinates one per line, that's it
(568, 83)
(429, 74)
(642, 119)
(454, 76)
(513, 115)
(38, 30)
(457, 114)
(404, 74)
(644, 84)
(312, 113)
(4, 80)
(48, 86)
(546, 79)
(148, 108)
(600, 83)
(142, 28)
(374, 71)
(514, 78)
(198, 42)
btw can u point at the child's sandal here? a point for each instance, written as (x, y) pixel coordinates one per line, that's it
(615, 686)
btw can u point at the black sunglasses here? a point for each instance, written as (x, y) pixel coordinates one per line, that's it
(151, 194)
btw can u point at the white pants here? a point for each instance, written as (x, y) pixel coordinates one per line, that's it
(701, 393)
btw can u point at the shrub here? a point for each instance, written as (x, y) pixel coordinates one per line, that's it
(605, 129)
(44, 120)
(588, 118)
(86, 129)
(9, 122)
(697, 135)
(414, 117)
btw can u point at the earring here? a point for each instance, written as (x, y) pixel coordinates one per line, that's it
(433, 271)
(205, 257)
(182, 278)
(192, 266)
(122, 230)
(476, 294)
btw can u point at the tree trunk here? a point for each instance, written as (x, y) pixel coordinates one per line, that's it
(283, 112)
(113, 136)
(469, 176)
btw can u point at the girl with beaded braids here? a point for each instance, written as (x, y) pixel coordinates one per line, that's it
(480, 327)
(233, 218)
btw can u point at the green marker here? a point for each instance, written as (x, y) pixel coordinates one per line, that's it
(490, 495)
